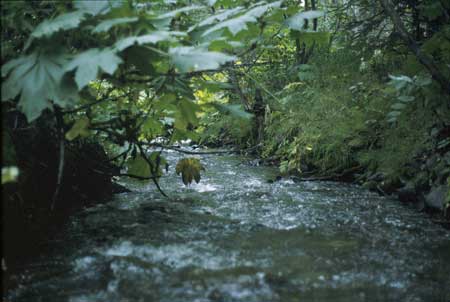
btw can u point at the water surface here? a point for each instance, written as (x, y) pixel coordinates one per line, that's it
(237, 237)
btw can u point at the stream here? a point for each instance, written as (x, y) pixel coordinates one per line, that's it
(237, 237)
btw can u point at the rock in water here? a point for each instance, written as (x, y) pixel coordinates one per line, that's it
(436, 198)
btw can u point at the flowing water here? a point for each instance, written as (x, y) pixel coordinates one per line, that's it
(237, 237)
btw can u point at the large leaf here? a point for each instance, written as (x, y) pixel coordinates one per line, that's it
(298, 21)
(88, 64)
(152, 38)
(192, 59)
(189, 168)
(62, 22)
(108, 24)
(38, 78)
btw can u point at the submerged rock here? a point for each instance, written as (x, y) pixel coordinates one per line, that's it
(436, 198)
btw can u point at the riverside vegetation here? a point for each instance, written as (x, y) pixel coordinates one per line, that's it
(341, 90)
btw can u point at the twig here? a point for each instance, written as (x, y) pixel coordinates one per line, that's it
(152, 169)
(125, 175)
(60, 125)
(190, 152)
(120, 155)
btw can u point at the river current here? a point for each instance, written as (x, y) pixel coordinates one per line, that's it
(236, 236)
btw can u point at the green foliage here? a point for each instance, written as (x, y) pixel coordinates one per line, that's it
(232, 72)
(189, 168)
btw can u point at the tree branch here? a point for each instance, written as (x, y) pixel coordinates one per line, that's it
(426, 60)
(60, 126)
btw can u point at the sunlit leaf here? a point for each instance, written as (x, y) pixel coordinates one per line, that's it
(189, 168)
(80, 128)
(9, 174)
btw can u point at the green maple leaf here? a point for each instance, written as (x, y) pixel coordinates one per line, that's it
(153, 38)
(192, 59)
(89, 63)
(62, 22)
(38, 78)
